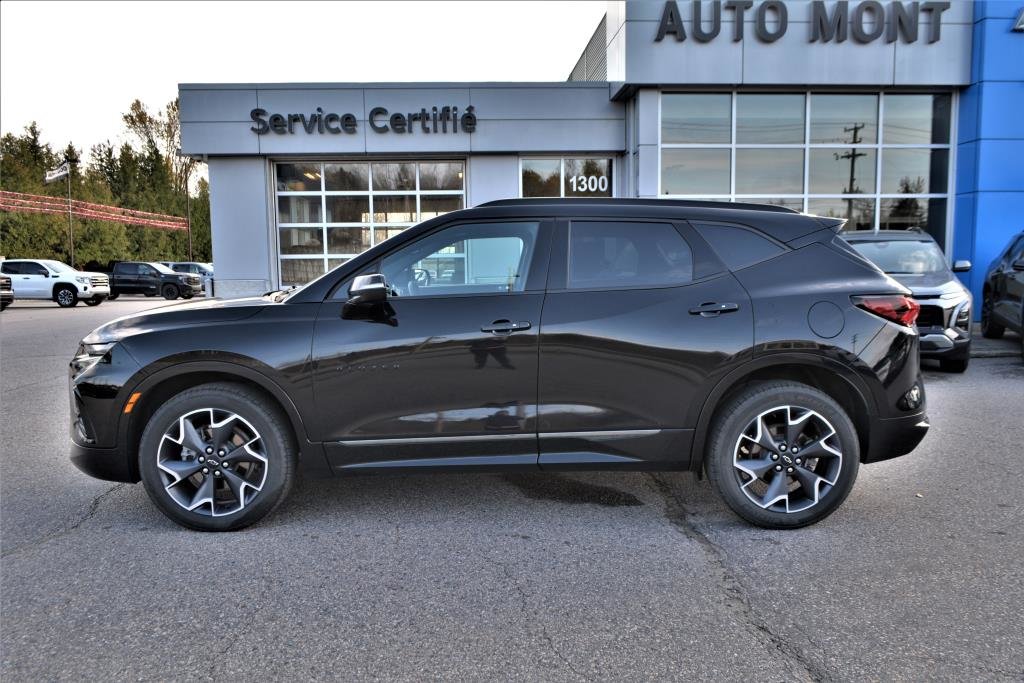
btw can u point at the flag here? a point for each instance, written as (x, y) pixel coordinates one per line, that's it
(58, 173)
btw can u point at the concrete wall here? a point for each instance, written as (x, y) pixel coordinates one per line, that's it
(635, 58)
(511, 117)
(990, 144)
(244, 244)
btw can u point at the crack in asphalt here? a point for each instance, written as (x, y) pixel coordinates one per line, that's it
(94, 506)
(532, 614)
(736, 595)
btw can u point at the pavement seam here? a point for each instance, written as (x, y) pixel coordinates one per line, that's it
(94, 506)
(525, 608)
(736, 595)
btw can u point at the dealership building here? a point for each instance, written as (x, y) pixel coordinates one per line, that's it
(892, 115)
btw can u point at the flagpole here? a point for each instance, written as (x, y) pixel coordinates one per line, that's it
(71, 231)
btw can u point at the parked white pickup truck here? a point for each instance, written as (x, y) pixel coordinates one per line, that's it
(55, 281)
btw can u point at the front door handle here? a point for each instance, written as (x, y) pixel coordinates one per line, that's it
(709, 310)
(506, 326)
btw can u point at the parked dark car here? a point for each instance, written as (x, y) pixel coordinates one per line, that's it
(6, 292)
(914, 260)
(141, 277)
(1002, 304)
(749, 342)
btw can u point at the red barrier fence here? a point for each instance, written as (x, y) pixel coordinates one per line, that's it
(19, 202)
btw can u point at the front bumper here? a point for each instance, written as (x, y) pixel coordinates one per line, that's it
(102, 463)
(952, 344)
(6, 296)
(896, 436)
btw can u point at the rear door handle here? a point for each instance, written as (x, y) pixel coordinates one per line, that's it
(506, 326)
(709, 310)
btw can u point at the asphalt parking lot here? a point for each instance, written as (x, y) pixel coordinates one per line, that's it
(920, 575)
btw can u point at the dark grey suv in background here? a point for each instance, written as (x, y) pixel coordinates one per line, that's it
(915, 261)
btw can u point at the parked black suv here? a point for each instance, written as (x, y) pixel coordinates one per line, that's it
(141, 277)
(750, 342)
(1003, 292)
(915, 260)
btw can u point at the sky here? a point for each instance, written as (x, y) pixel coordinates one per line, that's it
(75, 67)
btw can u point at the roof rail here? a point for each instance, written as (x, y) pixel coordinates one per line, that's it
(624, 201)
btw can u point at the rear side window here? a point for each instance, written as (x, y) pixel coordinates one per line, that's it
(124, 268)
(738, 247)
(10, 268)
(625, 254)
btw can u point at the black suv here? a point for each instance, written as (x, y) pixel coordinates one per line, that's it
(1003, 292)
(142, 277)
(750, 342)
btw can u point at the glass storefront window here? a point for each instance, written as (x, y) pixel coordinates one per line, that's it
(703, 118)
(346, 177)
(769, 171)
(695, 171)
(914, 171)
(860, 213)
(823, 153)
(844, 119)
(329, 212)
(441, 175)
(842, 171)
(588, 177)
(916, 119)
(763, 119)
(566, 177)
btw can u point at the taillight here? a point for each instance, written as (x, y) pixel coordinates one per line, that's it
(898, 308)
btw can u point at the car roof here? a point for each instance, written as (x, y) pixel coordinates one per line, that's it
(887, 236)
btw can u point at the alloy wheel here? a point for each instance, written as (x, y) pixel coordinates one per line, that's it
(65, 297)
(212, 462)
(787, 459)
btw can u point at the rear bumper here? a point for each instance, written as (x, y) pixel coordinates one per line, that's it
(893, 437)
(101, 463)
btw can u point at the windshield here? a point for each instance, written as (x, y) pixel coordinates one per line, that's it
(162, 268)
(904, 257)
(58, 266)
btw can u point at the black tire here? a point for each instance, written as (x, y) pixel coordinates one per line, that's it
(954, 364)
(170, 292)
(187, 295)
(93, 302)
(275, 440)
(990, 329)
(745, 408)
(113, 295)
(150, 294)
(66, 297)
(3, 307)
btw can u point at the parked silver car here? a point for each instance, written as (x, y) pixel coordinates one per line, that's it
(914, 259)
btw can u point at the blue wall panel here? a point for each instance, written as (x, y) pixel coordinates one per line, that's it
(990, 147)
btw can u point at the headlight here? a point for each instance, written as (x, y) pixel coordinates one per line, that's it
(82, 280)
(89, 355)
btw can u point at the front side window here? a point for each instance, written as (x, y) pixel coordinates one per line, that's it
(478, 258)
(624, 254)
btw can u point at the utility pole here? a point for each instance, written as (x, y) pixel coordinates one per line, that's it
(852, 155)
(71, 230)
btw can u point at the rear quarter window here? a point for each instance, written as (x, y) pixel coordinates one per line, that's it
(738, 246)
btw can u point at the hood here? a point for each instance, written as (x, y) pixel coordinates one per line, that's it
(178, 315)
(930, 284)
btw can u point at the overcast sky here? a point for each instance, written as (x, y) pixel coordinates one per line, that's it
(74, 67)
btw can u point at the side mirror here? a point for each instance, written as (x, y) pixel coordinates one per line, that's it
(961, 266)
(368, 289)
(1018, 264)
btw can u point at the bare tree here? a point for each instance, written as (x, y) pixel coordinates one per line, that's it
(162, 130)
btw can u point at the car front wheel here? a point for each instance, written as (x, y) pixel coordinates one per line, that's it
(217, 457)
(782, 455)
(169, 292)
(95, 301)
(990, 329)
(66, 297)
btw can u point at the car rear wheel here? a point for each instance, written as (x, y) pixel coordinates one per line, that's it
(169, 292)
(66, 297)
(782, 455)
(989, 328)
(217, 457)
